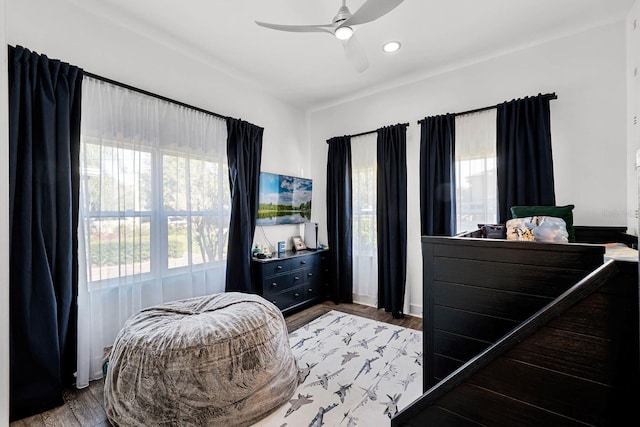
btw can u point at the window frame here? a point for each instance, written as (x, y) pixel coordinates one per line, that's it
(158, 218)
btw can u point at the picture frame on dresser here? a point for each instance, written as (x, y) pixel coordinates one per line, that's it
(298, 243)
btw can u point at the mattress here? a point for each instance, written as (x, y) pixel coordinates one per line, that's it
(620, 252)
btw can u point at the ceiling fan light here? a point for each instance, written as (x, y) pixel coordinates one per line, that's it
(343, 33)
(391, 46)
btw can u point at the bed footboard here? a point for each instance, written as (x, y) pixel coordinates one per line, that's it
(477, 290)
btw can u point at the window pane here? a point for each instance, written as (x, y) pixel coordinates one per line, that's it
(476, 193)
(178, 242)
(204, 184)
(118, 247)
(364, 212)
(208, 239)
(476, 173)
(174, 181)
(197, 190)
(118, 179)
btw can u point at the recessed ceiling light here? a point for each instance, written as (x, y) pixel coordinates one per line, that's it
(391, 46)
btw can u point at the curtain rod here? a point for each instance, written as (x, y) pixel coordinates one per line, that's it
(373, 131)
(155, 95)
(477, 110)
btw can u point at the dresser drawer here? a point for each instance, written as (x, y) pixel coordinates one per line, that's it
(276, 267)
(314, 273)
(287, 298)
(304, 262)
(276, 284)
(314, 290)
(299, 277)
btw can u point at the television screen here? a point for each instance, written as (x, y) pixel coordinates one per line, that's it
(283, 199)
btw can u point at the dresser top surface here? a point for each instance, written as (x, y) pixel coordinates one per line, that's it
(287, 255)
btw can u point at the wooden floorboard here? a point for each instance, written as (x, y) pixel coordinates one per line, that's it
(85, 407)
(296, 320)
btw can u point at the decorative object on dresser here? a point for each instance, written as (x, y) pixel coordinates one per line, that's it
(311, 235)
(292, 280)
(298, 243)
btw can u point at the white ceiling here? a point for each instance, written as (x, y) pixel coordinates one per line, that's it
(310, 69)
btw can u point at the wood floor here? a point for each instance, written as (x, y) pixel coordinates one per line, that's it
(85, 407)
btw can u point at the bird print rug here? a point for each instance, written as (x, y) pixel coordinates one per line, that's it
(353, 372)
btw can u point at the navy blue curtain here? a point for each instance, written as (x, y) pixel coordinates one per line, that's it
(339, 219)
(437, 176)
(392, 218)
(524, 158)
(44, 144)
(244, 152)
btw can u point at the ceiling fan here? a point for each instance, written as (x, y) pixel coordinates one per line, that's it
(342, 27)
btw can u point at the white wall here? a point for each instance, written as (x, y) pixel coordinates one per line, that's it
(143, 58)
(633, 112)
(586, 70)
(4, 226)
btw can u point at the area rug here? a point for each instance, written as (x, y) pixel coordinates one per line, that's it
(354, 372)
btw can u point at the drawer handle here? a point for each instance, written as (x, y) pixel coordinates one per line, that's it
(274, 302)
(309, 274)
(279, 267)
(296, 278)
(310, 290)
(303, 262)
(273, 285)
(296, 295)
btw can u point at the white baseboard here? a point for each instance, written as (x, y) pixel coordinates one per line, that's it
(365, 300)
(415, 310)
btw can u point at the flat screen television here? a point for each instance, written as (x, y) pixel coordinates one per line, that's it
(283, 199)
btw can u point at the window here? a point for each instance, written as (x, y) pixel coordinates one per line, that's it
(364, 229)
(153, 206)
(476, 173)
(154, 211)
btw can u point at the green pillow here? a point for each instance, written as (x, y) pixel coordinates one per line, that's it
(564, 212)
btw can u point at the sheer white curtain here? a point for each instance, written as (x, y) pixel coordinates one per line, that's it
(365, 235)
(154, 211)
(476, 173)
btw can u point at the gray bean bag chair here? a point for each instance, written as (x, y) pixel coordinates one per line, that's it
(220, 360)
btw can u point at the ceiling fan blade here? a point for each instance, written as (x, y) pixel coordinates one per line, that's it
(372, 10)
(298, 28)
(355, 54)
